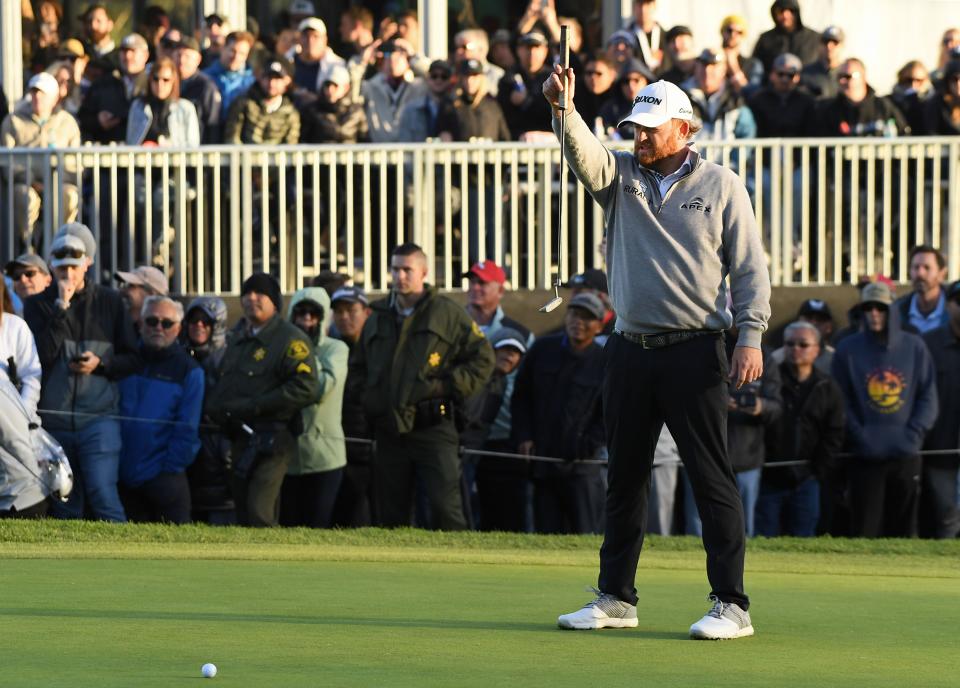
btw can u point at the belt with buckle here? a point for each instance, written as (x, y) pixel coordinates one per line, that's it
(662, 339)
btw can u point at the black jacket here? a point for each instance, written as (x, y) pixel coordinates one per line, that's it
(342, 122)
(96, 321)
(811, 428)
(484, 120)
(776, 115)
(534, 113)
(819, 80)
(201, 90)
(839, 116)
(354, 417)
(108, 93)
(945, 349)
(745, 431)
(557, 402)
(802, 42)
(935, 116)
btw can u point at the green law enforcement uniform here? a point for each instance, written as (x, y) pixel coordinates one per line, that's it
(265, 380)
(418, 370)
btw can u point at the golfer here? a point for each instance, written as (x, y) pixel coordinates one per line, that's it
(677, 227)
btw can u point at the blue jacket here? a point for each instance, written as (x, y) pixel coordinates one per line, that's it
(169, 387)
(231, 84)
(890, 391)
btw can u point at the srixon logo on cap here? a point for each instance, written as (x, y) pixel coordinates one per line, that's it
(653, 100)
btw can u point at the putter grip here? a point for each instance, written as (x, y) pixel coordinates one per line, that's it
(565, 62)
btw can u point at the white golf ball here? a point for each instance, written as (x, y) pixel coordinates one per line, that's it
(208, 670)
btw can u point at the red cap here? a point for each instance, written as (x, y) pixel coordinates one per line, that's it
(488, 271)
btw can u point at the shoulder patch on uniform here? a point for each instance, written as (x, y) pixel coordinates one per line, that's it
(434, 359)
(259, 354)
(298, 350)
(304, 368)
(476, 329)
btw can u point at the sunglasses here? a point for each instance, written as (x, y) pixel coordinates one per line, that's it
(154, 321)
(843, 76)
(62, 253)
(797, 345)
(200, 320)
(868, 307)
(732, 29)
(29, 274)
(786, 75)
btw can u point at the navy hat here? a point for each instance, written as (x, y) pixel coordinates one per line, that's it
(265, 284)
(509, 336)
(815, 307)
(350, 295)
(589, 279)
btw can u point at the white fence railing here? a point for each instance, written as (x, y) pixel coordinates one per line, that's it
(828, 209)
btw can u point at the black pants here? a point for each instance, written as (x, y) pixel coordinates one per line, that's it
(165, 498)
(684, 386)
(568, 502)
(939, 516)
(353, 507)
(884, 496)
(430, 454)
(38, 510)
(503, 490)
(307, 500)
(257, 496)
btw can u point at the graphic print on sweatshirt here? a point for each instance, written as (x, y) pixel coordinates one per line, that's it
(886, 388)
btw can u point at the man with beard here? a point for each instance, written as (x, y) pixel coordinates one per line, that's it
(677, 226)
(600, 73)
(924, 309)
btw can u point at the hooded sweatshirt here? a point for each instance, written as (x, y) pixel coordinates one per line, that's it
(802, 41)
(890, 391)
(321, 446)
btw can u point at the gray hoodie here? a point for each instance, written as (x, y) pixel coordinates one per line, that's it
(669, 258)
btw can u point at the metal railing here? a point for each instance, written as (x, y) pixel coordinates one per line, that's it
(828, 209)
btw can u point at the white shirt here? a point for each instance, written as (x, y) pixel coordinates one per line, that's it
(16, 342)
(925, 323)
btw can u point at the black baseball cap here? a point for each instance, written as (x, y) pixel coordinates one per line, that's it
(470, 67)
(589, 279)
(815, 307)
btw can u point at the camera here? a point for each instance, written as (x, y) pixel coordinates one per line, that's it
(746, 399)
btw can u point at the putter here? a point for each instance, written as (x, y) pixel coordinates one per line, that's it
(561, 216)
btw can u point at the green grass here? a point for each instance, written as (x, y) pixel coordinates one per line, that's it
(98, 605)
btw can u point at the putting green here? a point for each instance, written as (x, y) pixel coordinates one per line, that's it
(95, 605)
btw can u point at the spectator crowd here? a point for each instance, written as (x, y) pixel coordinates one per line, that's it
(413, 410)
(341, 411)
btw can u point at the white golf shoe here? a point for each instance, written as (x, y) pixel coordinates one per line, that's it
(605, 611)
(724, 621)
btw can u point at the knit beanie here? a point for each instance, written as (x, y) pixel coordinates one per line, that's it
(265, 284)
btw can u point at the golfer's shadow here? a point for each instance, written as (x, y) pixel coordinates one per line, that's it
(327, 620)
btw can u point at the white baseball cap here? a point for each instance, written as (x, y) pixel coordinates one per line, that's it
(44, 82)
(657, 103)
(312, 24)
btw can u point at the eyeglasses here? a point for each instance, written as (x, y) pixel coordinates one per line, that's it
(797, 344)
(786, 75)
(154, 321)
(29, 274)
(66, 252)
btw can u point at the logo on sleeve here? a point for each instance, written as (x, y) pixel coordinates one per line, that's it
(434, 359)
(885, 389)
(298, 350)
(259, 354)
(696, 203)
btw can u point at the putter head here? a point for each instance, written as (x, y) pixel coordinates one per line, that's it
(552, 304)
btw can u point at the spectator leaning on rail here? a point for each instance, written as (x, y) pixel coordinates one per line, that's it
(939, 516)
(857, 110)
(43, 126)
(161, 405)
(789, 35)
(556, 409)
(205, 339)
(889, 387)
(810, 429)
(267, 377)
(925, 308)
(314, 475)
(86, 343)
(420, 357)
(354, 507)
(103, 114)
